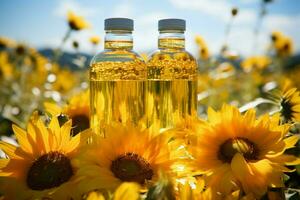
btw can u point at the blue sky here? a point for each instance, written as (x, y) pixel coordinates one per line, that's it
(42, 23)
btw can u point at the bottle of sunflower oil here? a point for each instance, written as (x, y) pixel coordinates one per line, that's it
(172, 77)
(118, 79)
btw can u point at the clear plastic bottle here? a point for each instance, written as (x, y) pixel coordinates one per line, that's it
(172, 77)
(118, 78)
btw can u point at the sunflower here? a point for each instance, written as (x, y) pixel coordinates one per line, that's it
(282, 44)
(127, 154)
(64, 80)
(6, 43)
(203, 48)
(95, 40)
(77, 22)
(290, 105)
(41, 166)
(284, 47)
(240, 152)
(256, 62)
(6, 68)
(78, 109)
(275, 36)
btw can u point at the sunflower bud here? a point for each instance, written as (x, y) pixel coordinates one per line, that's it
(75, 44)
(234, 11)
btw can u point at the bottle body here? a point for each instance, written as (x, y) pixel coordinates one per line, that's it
(172, 84)
(117, 86)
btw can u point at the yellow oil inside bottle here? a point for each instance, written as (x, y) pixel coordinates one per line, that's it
(117, 88)
(172, 85)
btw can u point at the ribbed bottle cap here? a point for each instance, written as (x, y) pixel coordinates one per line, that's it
(171, 24)
(118, 24)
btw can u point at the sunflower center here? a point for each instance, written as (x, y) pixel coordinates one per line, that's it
(48, 171)
(286, 110)
(80, 122)
(73, 25)
(131, 167)
(237, 145)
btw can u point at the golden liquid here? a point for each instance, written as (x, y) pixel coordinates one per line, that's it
(172, 89)
(117, 91)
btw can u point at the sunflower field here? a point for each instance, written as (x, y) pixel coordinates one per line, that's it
(243, 144)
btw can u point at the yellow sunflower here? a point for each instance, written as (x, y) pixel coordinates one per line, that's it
(256, 62)
(77, 22)
(6, 43)
(203, 48)
(77, 109)
(127, 154)
(276, 35)
(41, 166)
(282, 44)
(95, 40)
(6, 68)
(240, 151)
(64, 80)
(290, 105)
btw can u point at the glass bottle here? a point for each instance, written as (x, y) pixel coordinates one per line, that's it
(172, 77)
(118, 78)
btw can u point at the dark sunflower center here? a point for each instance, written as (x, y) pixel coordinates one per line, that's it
(80, 123)
(73, 25)
(237, 145)
(131, 167)
(273, 38)
(286, 47)
(286, 110)
(48, 171)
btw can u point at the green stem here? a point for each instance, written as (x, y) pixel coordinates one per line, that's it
(258, 25)
(227, 33)
(57, 52)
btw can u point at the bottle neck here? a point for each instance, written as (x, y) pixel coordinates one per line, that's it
(118, 39)
(171, 40)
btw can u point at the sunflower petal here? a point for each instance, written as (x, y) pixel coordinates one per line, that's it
(80, 139)
(240, 167)
(3, 163)
(291, 141)
(65, 132)
(22, 139)
(127, 191)
(9, 150)
(95, 196)
(52, 108)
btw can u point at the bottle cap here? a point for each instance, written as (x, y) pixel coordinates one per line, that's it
(171, 24)
(118, 24)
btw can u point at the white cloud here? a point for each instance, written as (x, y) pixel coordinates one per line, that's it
(124, 9)
(214, 8)
(65, 5)
(219, 9)
(145, 36)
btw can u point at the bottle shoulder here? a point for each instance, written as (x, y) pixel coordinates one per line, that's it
(117, 56)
